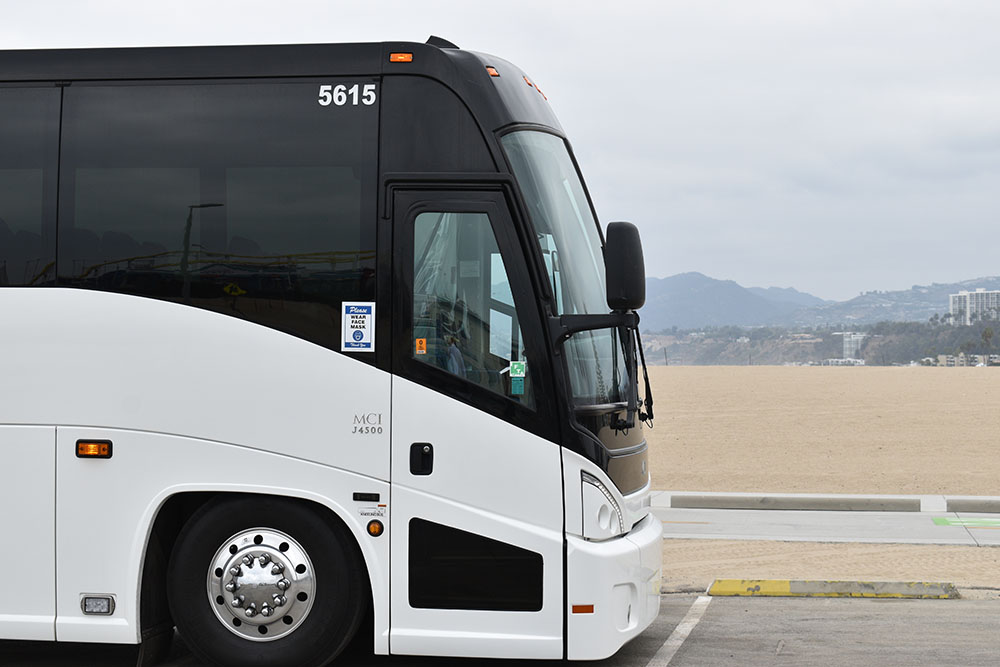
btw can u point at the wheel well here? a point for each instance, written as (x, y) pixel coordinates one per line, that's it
(154, 614)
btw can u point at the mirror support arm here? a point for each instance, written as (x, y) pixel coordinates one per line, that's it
(564, 326)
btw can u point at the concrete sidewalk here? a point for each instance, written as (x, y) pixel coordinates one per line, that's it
(826, 502)
(954, 528)
(829, 518)
(924, 542)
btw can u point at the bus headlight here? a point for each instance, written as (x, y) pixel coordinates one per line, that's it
(602, 517)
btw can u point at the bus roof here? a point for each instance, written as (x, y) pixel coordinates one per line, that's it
(497, 101)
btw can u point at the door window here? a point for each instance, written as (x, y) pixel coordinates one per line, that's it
(464, 318)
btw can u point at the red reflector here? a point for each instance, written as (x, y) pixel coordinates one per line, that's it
(401, 57)
(583, 609)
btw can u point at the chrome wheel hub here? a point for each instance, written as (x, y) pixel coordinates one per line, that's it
(261, 584)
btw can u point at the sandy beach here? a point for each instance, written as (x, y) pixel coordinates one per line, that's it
(868, 430)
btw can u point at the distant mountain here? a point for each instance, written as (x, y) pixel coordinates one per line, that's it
(694, 300)
(788, 295)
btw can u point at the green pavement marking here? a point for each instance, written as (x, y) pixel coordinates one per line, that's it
(966, 523)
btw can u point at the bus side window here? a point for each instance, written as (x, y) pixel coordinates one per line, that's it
(464, 319)
(232, 196)
(29, 131)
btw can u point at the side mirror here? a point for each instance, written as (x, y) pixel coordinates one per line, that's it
(625, 269)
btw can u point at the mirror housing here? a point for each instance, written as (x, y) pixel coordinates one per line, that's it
(624, 267)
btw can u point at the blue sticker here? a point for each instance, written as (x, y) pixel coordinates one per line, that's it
(517, 386)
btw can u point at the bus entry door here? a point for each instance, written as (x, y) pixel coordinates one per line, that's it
(477, 510)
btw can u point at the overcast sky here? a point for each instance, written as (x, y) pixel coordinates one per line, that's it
(832, 146)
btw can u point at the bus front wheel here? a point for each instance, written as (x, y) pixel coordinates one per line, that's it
(265, 581)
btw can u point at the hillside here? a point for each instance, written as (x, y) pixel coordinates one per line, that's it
(693, 300)
(917, 304)
(885, 344)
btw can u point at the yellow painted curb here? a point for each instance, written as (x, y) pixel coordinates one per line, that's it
(758, 587)
(922, 590)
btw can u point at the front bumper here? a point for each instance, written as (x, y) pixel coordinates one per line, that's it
(614, 587)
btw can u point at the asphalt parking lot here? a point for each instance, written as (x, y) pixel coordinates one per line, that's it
(729, 631)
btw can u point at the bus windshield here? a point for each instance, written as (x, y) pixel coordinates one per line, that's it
(565, 227)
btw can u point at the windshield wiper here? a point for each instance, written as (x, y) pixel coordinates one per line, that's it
(628, 343)
(647, 416)
(635, 404)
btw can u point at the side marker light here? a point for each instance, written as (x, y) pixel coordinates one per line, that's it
(583, 609)
(401, 57)
(375, 528)
(93, 449)
(492, 71)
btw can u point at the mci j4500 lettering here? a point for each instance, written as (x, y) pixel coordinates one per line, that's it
(292, 337)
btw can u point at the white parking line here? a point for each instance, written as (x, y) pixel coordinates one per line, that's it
(680, 633)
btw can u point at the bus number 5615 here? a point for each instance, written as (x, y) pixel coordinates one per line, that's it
(339, 95)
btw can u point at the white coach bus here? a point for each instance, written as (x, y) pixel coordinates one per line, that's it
(292, 337)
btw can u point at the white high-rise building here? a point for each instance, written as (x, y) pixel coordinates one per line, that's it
(966, 307)
(852, 342)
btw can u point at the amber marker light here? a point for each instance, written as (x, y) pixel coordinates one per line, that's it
(492, 71)
(401, 57)
(583, 609)
(93, 449)
(375, 528)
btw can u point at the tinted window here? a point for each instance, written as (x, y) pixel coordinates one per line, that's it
(449, 138)
(29, 135)
(248, 199)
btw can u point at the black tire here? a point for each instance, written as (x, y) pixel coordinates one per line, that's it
(340, 598)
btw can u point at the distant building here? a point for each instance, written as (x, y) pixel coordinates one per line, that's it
(843, 362)
(852, 342)
(963, 359)
(966, 307)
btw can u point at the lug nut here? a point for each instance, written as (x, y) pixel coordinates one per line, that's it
(264, 560)
(284, 584)
(266, 611)
(236, 571)
(238, 601)
(248, 561)
(277, 568)
(232, 586)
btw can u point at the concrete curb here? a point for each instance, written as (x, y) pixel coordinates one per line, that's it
(984, 505)
(922, 590)
(830, 503)
(826, 502)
